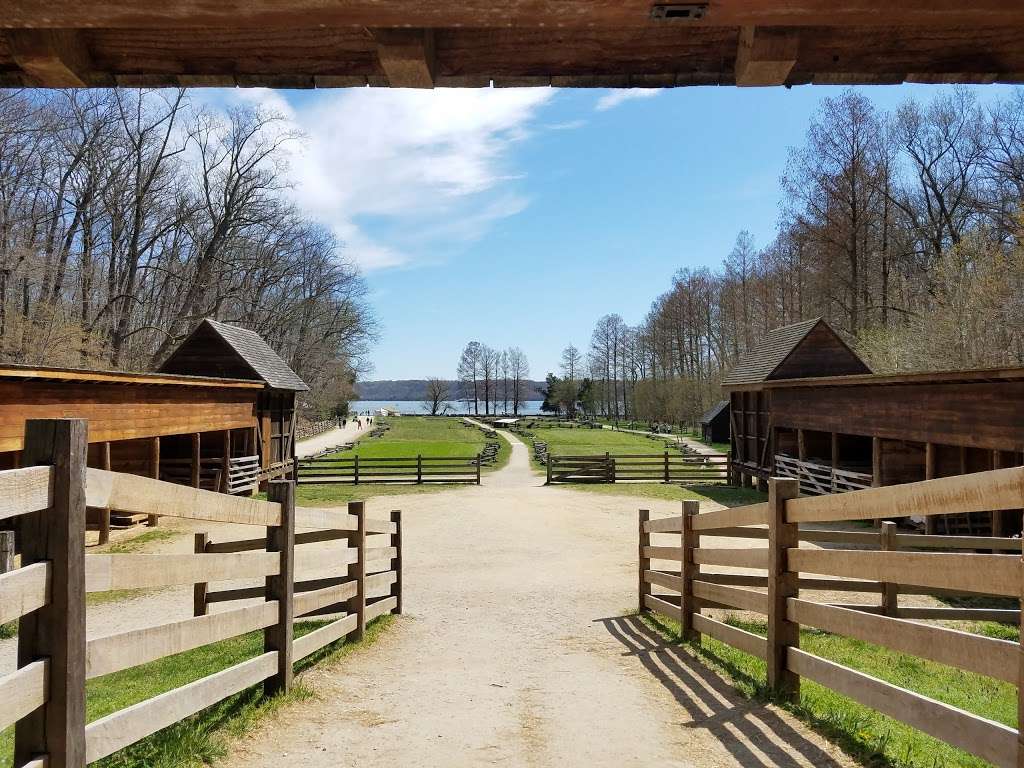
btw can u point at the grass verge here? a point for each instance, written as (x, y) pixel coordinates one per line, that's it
(202, 739)
(725, 495)
(872, 738)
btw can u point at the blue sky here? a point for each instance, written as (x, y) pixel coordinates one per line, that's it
(519, 217)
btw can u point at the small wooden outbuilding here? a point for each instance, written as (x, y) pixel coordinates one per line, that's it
(714, 424)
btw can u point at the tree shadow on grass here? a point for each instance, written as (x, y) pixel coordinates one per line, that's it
(753, 734)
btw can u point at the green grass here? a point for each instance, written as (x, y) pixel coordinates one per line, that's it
(327, 494)
(873, 738)
(140, 542)
(203, 738)
(590, 442)
(438, 436)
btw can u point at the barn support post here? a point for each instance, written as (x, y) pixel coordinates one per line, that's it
(281, 587)
(225, 461)
(931, 522)
(782, 584)
(688, 570)
(154, 472)
(56, 632)
(105, 511)
(196, 458)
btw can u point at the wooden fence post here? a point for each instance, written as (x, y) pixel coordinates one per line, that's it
(419, 469)
(890, 592)
(57, 630)
(479, 461)
(281, 587)
(548, 464)
(688, 569)
(643, 588)
(199, 589)
(782, 584)
(396, 542)
(357, 570)
(356, 469)
(666, 466)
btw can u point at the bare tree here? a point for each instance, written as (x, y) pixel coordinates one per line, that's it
(435, 396)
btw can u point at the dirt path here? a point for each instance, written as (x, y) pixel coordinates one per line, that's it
(332, 437)
(516, 648)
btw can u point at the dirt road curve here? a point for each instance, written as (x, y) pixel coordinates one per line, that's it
(515, 650)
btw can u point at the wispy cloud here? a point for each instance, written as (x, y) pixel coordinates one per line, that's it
(614, 98)
(568, 125)
(395, 173)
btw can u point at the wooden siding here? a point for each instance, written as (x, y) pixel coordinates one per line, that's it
(976, 415)
(123, 411)
(820, 353)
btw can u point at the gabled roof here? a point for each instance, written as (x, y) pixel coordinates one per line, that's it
(713, 411)
(252, 351)
(759, 363)
(267, 364)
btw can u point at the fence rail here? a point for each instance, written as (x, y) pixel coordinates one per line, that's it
(356, 470)
(820, 479)
(888, 570)
(651, 467)
(44, 698)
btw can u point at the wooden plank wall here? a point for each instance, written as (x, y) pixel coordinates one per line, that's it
(118, 412)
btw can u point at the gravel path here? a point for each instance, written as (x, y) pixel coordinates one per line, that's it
(517, 648)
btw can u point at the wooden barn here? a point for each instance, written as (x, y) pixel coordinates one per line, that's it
(714, 424)
(839, 431)
(219, 415)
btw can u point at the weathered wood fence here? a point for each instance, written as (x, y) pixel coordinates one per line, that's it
(45, 698)
(817, 479)
(887, 571)
(651, 467)
(402, 469)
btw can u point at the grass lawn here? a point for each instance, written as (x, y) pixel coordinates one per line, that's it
(874, 739)
(438, 436)
(586, 442)
(204, 737)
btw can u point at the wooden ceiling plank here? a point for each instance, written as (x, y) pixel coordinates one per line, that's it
(766, 56)
(407, 56)
(53, 58)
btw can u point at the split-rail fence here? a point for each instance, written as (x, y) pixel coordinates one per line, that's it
(896, 567)
(356, 470)
(651, 467)
(45, 697)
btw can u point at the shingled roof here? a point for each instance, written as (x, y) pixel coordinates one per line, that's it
(783, 354)
(713, 411)
(253, 354)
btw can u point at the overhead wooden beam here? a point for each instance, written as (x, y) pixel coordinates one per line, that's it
(766, 55)
(53, 58)
(407, 56)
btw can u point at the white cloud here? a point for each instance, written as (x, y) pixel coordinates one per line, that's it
(394, 172)
(615, 98)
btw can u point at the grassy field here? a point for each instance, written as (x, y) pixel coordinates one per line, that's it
(439, 436)
(205, 737)
(586, 442)
(726, 495)
(874, 739)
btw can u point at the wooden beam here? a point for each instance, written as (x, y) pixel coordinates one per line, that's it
(53, 58)
(765, 55)
(407, 56)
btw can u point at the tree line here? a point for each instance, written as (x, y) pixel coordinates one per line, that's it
(902, 229)
(127, 216)
(498, 380)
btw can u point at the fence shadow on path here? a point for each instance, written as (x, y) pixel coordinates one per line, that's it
(752, 733)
